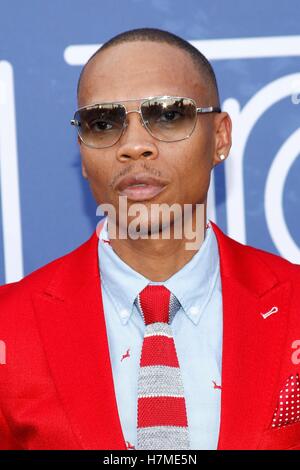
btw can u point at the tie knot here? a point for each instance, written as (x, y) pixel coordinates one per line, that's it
(157, 304)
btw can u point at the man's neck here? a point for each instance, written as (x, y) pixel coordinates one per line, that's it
(159, 259)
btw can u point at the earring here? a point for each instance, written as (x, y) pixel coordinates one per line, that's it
(222, 157)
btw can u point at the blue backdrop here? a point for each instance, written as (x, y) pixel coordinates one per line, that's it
(46, 206)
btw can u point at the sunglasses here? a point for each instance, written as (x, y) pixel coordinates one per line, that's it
(166, 118)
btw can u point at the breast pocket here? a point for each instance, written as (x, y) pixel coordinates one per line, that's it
(282, 438)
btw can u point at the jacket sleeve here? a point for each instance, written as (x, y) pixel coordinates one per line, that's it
(7, 439)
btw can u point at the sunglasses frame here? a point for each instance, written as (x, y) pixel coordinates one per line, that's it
(201, 110)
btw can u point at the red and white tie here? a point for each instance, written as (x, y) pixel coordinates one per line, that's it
(161, 415)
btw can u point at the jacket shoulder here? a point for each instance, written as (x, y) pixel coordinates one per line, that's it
(283, 268)
(41, 276)
(243, 257)
(273, 260)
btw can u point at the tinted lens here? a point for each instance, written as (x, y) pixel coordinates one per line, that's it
(101, 125)
(169, 119)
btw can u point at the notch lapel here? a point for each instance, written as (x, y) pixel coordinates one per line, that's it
(72, 326)
(252, 344)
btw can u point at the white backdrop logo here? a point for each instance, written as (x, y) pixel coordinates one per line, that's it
(244, 120)
(9, 178)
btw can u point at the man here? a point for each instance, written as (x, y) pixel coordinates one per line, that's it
(135, 342)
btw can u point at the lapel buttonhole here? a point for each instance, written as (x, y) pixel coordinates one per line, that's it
(270, 312)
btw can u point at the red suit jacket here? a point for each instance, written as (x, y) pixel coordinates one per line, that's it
(56, 388)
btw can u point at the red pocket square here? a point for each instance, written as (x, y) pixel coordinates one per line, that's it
(288, 408)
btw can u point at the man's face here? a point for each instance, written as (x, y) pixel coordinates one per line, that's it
(138, 70)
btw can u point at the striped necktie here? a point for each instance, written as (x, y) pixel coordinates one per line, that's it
(161, 414)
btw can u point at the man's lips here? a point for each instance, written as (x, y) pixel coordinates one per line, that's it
(140, 187)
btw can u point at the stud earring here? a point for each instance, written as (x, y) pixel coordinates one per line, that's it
(222, 157)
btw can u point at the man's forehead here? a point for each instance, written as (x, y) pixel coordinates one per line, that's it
(140, 69)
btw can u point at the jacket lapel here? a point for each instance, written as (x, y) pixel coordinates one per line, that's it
(72, 325)
(252, 344)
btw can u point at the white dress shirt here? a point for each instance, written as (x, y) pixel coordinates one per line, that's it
(197, 330)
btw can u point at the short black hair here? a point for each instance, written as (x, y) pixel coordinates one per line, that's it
(161, 36)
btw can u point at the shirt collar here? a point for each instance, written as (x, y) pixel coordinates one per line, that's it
(122, 283)
(193, 284)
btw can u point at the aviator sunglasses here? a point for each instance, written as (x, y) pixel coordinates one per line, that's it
(166, 118)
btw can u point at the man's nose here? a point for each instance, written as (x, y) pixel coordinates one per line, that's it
(136, 141)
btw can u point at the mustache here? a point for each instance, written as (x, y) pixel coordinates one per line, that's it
(129, 169)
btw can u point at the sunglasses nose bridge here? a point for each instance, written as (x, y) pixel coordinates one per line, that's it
(135, 111)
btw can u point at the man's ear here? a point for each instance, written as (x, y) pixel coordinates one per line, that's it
(83, 169)
(223, 129)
